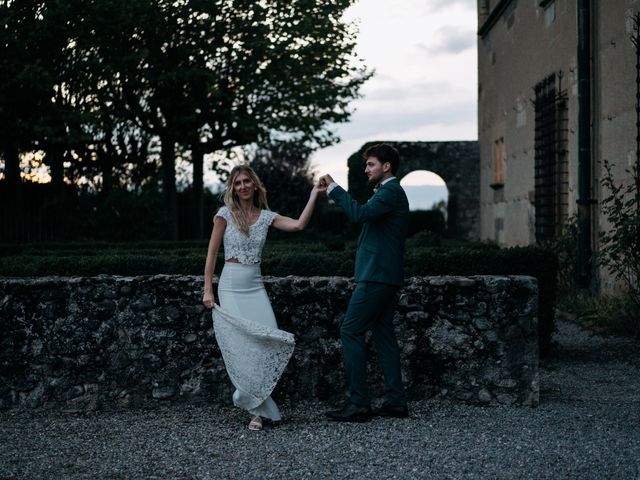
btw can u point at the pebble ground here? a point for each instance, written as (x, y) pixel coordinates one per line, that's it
(586, 427)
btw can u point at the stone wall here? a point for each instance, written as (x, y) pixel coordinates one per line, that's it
(116, 342)
(457, 163)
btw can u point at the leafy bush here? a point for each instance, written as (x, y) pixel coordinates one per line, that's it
(309, 264)
(424, 239)
(331, 219)
(110, 263)
(426, 220)
(566, 249)
(604, 313)
(533, 261)
(620, 249)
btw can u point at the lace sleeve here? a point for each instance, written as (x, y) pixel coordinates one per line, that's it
(270, 216)
(223, 212)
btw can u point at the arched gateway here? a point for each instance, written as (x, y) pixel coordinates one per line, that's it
(458, 163)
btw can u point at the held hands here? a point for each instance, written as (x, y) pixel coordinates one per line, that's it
(324, 182)
(208, 299)
(318, 188)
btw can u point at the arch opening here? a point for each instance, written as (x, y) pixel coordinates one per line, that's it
(457, 163)
(425, 191)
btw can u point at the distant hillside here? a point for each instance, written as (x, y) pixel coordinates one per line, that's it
(423, 197)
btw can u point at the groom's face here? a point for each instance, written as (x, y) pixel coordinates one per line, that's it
(375, 170)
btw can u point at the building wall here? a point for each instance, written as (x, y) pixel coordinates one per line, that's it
(614, 105)
(523, 46)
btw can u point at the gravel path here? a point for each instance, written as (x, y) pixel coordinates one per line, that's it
(587, 426)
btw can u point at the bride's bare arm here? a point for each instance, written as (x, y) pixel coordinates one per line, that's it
(288, 224)
(219, 225)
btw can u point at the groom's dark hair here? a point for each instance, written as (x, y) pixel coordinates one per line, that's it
(385, 153)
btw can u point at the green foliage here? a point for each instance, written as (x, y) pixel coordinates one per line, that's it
(285, 171)
(620, 244)
(92, 83)
(604, 313)
(565, 247)
(488, 260)
(119, 215)
(309, 264)
(431, 220)
(42, 78)
(423, 239)
(333, 220)
(109, 262)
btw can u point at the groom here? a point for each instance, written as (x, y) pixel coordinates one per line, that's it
(378, 276)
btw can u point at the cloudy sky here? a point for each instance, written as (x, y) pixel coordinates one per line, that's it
(425, 83)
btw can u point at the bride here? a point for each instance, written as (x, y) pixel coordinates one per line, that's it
(254, 350)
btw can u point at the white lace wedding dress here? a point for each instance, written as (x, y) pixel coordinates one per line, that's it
(254, 350)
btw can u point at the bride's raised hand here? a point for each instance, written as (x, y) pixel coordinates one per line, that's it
(320, 186)
(208, 299)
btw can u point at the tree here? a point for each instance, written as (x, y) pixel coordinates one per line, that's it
(285, 171)
(205, 75)
(217, 74)
(45, 102)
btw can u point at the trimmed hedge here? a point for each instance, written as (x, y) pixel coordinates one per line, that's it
(128, 264)
(95, 248)
(301, 258)
(533, 261)
(426, 220)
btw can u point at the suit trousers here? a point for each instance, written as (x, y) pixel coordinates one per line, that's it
(371, 308)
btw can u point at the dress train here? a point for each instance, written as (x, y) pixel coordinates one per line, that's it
(254, 350)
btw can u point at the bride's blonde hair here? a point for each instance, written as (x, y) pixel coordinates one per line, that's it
(231, 199)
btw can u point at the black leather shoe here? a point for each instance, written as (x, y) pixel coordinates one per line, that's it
(388, 410)
(351, 413)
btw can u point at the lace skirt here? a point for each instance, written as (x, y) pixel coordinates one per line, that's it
(254, 350)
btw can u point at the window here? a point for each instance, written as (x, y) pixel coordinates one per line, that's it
(483, 8)
(499, 156)
(549, 12)
(550, 163)
(499, 164)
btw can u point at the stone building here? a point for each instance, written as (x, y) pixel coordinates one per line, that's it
(456, 162)
(556, 99)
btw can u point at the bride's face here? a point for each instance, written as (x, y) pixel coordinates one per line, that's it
(244, 187)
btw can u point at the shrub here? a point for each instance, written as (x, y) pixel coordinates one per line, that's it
(331, 220)
(533, 261)
(111, 263)
(309, 264)
(605, 313)
(566, 249)
(424, 239)
(426, 220)
(620, 249)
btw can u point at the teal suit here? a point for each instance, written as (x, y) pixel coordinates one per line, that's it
(378, 275)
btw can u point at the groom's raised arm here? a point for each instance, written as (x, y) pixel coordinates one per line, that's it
(380, 204)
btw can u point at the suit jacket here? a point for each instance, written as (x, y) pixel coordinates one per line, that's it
(385, 219)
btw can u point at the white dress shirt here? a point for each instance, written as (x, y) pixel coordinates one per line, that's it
(333, 185)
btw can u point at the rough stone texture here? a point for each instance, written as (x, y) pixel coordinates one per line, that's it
(587, 426)
(458, 163)
(116, 342)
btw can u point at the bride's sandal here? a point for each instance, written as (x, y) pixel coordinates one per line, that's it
(255, 424)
